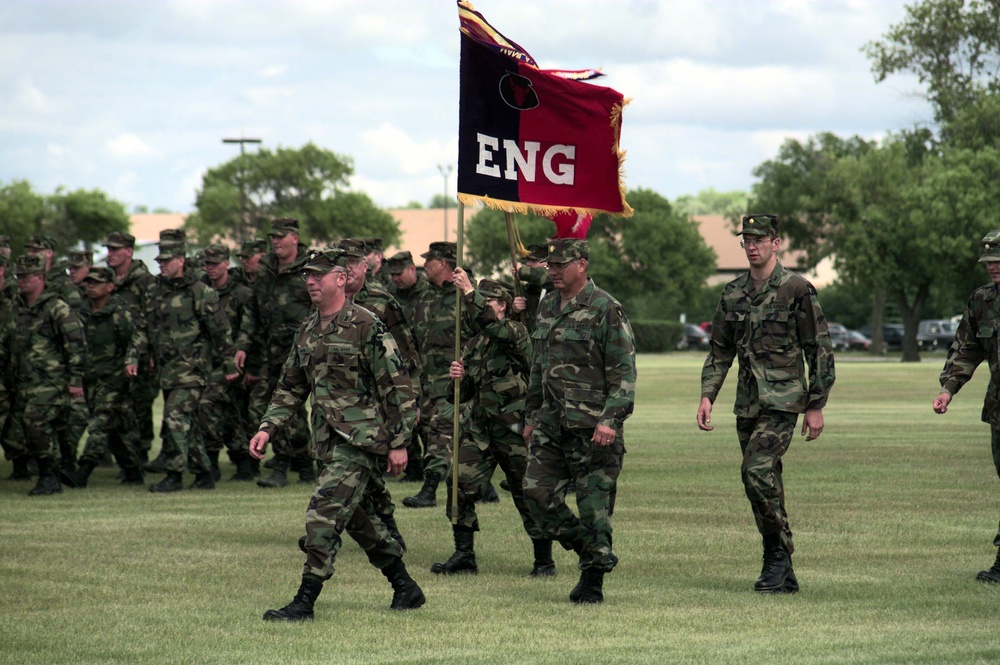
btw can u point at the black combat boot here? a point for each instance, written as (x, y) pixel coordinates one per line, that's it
(504, 485)
(78, 478)
(269, 464)
(406, 594)
(132, 476)
(306, 469)
(489, 495)
(213, 458)
(172, 482)
(991, 576)
(544, 565)
(48, 481)
(203, 480)
(301, 607)
(414, 472)
(464, 558)
(157, 465)
(590, 589)
(279, 476)
(390, 525)
(20, 470)
(244, 470)
(777, 569)
(426, 497)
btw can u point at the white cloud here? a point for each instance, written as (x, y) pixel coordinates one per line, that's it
(128, 145)
(30, 98)
(392, 147)
(273, 71)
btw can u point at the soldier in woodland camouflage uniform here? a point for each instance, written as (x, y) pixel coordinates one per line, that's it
(279, 305)
(434, 324)
(250, 254)
(185, 327)
(535, 281)
(493, 372)
(582, 388)
(770, 318)
(46, 351)
(345, 360)
(5, 248)
(410, 287)
(378, 272)
(111, 338)
(132, 284)
(10, 439)
(80, 263)
(978, 339)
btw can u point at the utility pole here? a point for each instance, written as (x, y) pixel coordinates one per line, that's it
(445, 171)
(241, 229)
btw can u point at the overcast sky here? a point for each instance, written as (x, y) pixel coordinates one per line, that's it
(133, 97)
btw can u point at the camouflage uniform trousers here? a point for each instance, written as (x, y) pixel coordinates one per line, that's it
(485, 444)
(112, 424)
(557, 456)
(764, 440)
(73, 425)
(183, 440)
(343, 500)
(439, 414)
(995, 444)
(292, 440)
(224, 417)
(38, 412)
(145, 388)
(11, 435)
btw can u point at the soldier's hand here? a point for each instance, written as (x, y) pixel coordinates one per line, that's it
(941, 402)
(812, 424)
(456, 370)
(250, 379)
(397, 461)
(704, 416)
(461, 280)
(232, 377)
(258, 445)
(520, 304)
(528, 429)
(131, 371)
(603, 436)
(240, 359)
(76, 392)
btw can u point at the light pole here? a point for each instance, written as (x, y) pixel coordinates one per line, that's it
(243, 194)
(445, 171)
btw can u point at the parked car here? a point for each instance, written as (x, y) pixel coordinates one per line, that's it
(936, 333)
(694, 338)
(838, 335)
(892, 334)
(858, 342)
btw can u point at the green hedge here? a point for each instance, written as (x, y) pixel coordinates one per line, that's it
(657, 336)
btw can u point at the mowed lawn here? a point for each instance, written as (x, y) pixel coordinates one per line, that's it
(894, 511)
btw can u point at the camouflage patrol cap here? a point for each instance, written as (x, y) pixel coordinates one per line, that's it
(399, 262)
(537, 251)
(119, 239)
(282, 226)
(759, 225)
(441, 250)
(40, 242)
(102, 274)
(354, 247)
(173, 235)
(991, 247)
(564, 250)
(374, 244)
(79, 258)
(490, 288)
(325, 260)
(252, 247)
(29, 264)
(216, 253)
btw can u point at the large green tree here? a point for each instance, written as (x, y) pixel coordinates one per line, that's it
(655, 262)
(712, 202)
(238, 199)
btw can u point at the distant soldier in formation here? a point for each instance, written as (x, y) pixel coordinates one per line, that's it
(80, 263)
(185, 328)
(13, 445)
(535, 281)
(250, 254)
(5, 248)
(769, 318)
(976, 340)
(133, 282)
(46, 351)
(376, 264)
(493, 373)
(279, 305)
(112, 337)
(345, 360)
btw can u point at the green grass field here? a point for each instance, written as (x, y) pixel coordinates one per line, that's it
(894, 510)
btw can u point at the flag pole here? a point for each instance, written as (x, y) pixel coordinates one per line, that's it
(513, 261)
(456, 429)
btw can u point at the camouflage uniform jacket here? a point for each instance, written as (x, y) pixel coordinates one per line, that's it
(46, 347)
(234, 298)
(380, 303)
(774, 332)
(383, 279)
(111, 337)
(134, 290)
(583, 371)
(496, 363)
(57, 282)
(409, 298)
(356, 377)
(976, 340)
(185, 328)
(279, 305)
(533, 281)
(434, 327)
(8, 309)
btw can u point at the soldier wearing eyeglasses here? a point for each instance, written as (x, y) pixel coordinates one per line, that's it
(770, 318)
